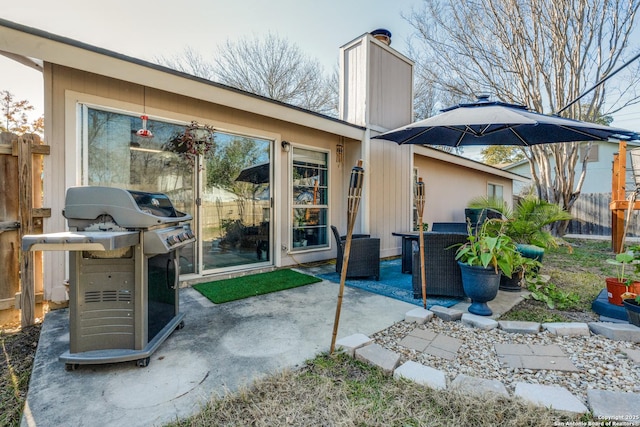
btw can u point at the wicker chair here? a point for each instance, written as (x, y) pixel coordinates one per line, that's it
(364, 257)
(441, 268)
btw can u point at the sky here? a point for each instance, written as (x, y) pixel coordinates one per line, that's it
(148, 29)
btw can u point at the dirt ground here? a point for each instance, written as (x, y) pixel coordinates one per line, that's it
(18, 350)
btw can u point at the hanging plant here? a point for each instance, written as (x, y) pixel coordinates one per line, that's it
(196, 140)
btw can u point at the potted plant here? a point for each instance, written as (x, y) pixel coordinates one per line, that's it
(523, 268)
(527, 223)
(196, 140)
(632, 305)
(486, 254)
(621, 283)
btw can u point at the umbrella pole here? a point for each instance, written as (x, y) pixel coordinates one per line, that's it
(353, 203)
(420, 209)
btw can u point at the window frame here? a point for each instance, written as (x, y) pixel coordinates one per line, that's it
(324, 208)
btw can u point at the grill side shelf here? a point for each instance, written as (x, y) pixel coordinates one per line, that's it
(80, 241)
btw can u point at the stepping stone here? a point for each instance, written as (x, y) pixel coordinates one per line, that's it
(480, 322)
(425, 334)
(447, 314)
(616, 331)
(617, 407)
(418, 315)
(535, 357)
(423, 375)
(352, 342)
(519, 327)
(554, 397)
(444, 346)
(633, 355)
(567, 329)
(414, 343)
(376, 355)
(478, 386)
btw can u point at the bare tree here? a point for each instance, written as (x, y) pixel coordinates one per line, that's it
(189, 61)
(275, 68)
(542, 53)
(270, 66)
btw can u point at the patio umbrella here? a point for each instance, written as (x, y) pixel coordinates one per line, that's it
(255, 174)
(497, 123)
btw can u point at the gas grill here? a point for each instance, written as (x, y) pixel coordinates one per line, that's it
(123, 272)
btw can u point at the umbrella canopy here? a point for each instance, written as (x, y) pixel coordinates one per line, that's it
(499, 123)
(255, 174)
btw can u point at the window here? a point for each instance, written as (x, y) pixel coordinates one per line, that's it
(593, 152)
(310, 204)
(495, 191)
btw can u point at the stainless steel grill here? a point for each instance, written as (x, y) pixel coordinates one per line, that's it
(123, 272)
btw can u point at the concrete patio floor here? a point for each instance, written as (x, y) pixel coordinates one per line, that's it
(221, 348)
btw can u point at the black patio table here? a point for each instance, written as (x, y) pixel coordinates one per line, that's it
(407, 248)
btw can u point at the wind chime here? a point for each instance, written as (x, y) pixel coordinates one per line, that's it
(353, 203)
(420, 208)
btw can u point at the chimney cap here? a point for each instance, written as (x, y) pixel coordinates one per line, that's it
(382, 35)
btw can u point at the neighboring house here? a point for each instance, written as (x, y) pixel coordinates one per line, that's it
(591, 212)
(599, 167)
(94, 100)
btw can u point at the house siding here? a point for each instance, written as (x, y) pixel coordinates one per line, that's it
(68, 86)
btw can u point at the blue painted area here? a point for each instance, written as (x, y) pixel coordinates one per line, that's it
(603, 307)
(392, 284)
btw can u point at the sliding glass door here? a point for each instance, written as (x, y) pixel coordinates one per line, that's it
(236, 203)
(228, 191)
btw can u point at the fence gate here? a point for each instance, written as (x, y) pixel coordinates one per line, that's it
(21, 212)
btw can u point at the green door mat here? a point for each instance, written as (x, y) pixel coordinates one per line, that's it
(257, 284)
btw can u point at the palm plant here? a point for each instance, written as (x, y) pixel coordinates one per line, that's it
(528, 222)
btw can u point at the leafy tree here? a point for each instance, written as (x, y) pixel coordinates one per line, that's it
(501, 155)
(541, 53)
(14, 115)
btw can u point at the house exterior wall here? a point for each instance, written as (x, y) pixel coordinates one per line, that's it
(66, 87)
(598, 179)
(390, 194)
(448, 189)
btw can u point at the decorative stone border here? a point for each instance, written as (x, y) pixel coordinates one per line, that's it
(604, 405)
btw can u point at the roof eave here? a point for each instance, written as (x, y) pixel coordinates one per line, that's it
(17, 40)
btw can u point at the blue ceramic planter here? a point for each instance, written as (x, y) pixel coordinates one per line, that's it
(530, 251)
(481, 285)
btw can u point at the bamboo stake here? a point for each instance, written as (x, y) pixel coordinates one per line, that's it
(353, 203)
(420, 209)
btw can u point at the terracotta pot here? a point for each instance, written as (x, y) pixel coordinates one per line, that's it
(615, 289)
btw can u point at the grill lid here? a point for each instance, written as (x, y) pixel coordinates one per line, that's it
(128, 208)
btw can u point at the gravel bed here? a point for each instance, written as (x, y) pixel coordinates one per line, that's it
(602, 363)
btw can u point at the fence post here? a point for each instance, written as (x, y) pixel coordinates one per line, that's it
(25, 182)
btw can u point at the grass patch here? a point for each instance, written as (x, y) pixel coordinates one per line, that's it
(340, 391)
(577, 272)
(222, 291)
(17, 351)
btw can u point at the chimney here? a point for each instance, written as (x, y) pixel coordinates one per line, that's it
(383, 35)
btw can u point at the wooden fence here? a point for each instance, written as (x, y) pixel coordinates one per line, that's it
(592, 216)
(21, 212)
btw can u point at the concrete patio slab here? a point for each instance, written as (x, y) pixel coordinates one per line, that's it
(221, 348)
